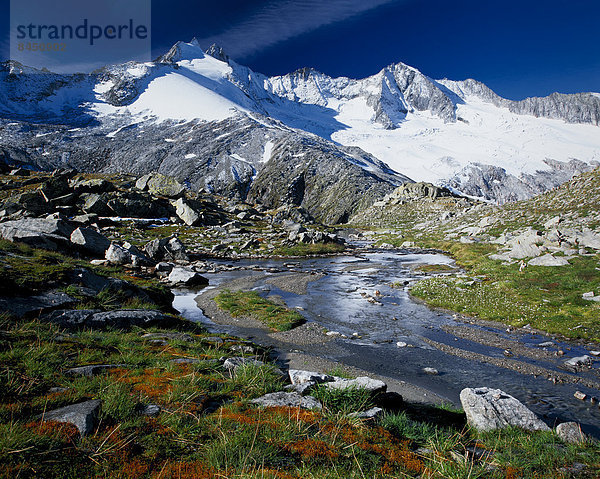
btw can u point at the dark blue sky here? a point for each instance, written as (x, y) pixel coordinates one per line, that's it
(518, 48)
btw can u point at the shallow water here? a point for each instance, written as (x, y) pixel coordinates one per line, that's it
(335, 302)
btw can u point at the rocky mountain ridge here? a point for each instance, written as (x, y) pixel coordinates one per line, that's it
(215, 124)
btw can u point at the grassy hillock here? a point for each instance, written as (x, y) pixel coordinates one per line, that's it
(546, 298)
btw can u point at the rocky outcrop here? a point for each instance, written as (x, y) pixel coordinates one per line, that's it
(43, 233)
(320, 178)
(572, 108)
(494, 183)
(488, 409)
(90, 240)
(415, 191)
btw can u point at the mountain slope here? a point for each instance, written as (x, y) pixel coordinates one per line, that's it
(458, 134)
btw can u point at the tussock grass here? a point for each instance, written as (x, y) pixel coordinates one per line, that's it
(250, 303)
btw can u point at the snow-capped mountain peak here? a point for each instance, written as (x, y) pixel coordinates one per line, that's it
(444, 131)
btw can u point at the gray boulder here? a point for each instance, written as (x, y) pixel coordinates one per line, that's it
(186, 277)
(579, 363)
(570, 432)
(283, 399)
(161, 185)
(90, 240)
(94, 203)
(126, 318)
(83, 415)
(122, 319)
(142, 182)
(488, 409)
(38, 232)
(117, 254)
(187, 213)
(71, 318)
(298, 376)
(166, 249)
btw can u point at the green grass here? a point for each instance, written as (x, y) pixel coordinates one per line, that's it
(25, 270)
(345, 401)
(208, 429)
(302, 249)
(250, 303)
(547, 298)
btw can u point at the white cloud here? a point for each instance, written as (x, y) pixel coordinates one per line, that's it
(281, 20)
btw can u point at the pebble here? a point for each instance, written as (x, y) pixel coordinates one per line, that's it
(579, 395)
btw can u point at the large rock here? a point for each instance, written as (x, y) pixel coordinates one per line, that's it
(161, 185)
(166, 249)
(579, 363)
(117, 254)
(94, 185)
(186, 277)
(38, 232)
(283, 399)
(90, 240)
(126, 318)
(187, 213)
(94, 203)
(83, 415)
(488, 409)
(70, 318)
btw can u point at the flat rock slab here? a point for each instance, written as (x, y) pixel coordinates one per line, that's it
(488, 409)
(122, 319)
(374, 386)
(283, 399)
(83, 415)
(93, 369)
(548, 260)
(35, 305)
(90, 240)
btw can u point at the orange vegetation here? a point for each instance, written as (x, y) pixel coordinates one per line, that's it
(311, 448)
(59, 430)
